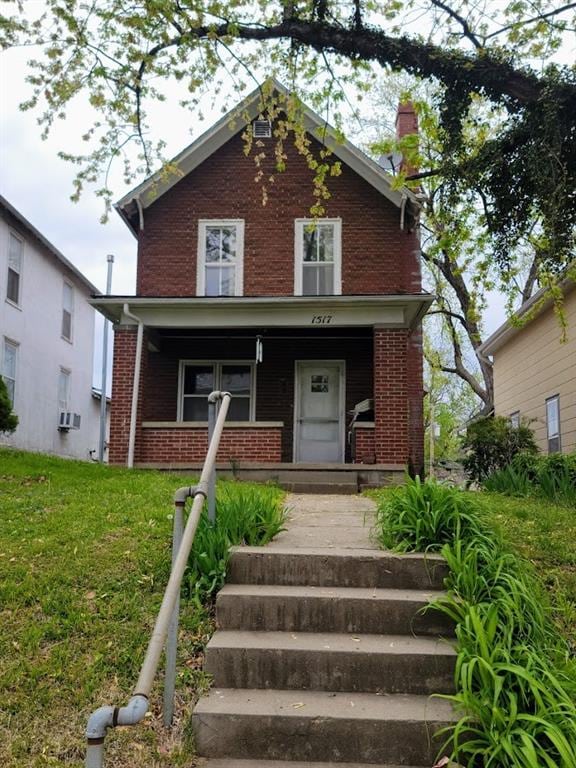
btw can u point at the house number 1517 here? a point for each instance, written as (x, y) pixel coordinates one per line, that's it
(321, 319)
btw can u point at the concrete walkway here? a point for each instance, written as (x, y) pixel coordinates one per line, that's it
(331, 521)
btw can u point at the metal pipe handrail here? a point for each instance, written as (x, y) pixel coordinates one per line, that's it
(109, 716)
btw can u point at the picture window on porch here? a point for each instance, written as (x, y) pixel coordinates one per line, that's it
(220, 258)
(318, 257)
(197, 380)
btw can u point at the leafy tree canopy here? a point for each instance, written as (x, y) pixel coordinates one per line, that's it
(121, 54)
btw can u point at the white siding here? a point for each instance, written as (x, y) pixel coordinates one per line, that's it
(36, 325)
(533, 366)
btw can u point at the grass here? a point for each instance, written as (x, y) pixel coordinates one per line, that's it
(515, 673)
(84, 559)
(544, 534)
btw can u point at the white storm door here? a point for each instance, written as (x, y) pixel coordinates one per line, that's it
(319, 428)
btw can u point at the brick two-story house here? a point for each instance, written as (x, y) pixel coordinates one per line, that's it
(300, 319)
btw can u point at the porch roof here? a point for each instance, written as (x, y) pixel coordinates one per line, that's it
(391, 311)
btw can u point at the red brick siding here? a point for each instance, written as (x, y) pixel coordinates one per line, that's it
(398, 393)
(190, 445)
(365, 452)
(415, 386)
(378, 257)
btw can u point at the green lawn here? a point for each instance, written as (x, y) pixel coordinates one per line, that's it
(84, 559)
(545, 534)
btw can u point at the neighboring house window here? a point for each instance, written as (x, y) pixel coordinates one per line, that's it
(9, 358)
(67, 311)
(220, 258)
(197, 380)
(515, 419)
(14, 281)
(553, 423)
(63, 389)
(318, 257)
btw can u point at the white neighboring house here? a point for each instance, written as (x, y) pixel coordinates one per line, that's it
(47, 343)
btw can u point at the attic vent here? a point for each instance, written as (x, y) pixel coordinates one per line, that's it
(261, 129)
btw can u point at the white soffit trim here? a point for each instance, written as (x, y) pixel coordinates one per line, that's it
(202, 148)
(397, 311)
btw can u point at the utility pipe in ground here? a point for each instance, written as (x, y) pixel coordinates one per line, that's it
(134, 711)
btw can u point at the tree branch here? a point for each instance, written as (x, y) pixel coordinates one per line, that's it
(525, 22)
(461, 20)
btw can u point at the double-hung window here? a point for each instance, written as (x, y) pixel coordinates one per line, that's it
(515, 419)
(198, 379)
(63, 389)
(14, 278)
(220, 258)
(67, 311)
(553, 423)
(318, 251)
(9, 360)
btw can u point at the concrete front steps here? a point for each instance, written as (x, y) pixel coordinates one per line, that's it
(325, 656)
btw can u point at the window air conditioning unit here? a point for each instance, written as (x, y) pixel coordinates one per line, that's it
(68, 420)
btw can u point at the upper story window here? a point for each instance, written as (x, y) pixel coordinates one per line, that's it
(197, 380)
(220, 258)
(15, 257)
(9, 359)
(553, 423)
(67, 311)
(318, 251)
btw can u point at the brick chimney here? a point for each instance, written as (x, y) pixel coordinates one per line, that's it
(406, 124)
(406, 120)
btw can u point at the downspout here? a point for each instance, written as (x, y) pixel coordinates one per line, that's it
(140, 213)
(135, 384)
(403, 202)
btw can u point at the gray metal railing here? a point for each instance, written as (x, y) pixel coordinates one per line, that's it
(166, 628)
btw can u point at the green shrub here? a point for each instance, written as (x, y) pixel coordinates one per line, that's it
(245, 514)
(492, 443)
(553, 477)
(8, 419)
(514, 687)
(424, 516)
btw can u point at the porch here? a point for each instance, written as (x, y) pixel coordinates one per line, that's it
(296, 378)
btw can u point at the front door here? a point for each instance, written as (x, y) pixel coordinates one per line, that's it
(319, 412)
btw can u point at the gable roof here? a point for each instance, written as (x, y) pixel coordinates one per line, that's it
(209, 142)
(31, 229)
(509, 329)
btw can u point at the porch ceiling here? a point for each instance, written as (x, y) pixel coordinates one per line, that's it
(394, 311)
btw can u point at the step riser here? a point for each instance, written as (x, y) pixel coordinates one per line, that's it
(316, 739)
(296, 614)
(328, 671)
(308, 569)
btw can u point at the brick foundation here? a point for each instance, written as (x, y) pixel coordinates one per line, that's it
(166, 445)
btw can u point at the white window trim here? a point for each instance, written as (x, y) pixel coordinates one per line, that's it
(299, 225)
(71, 337)
(558, 435)
(217, 364)
(17, 304)
(200, 258)
(6, 341)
